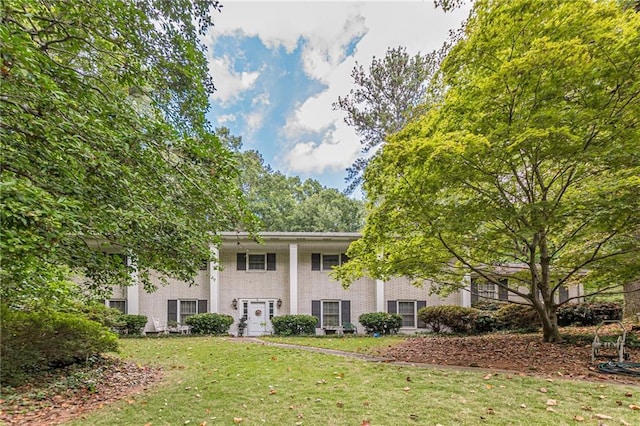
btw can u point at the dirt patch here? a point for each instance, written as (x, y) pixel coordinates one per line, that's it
(523, 353)
(72, 393)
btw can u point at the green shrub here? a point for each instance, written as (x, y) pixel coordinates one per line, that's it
(98, 312)
(483, 322)
(209, 323)
(294, 325)
(380, 322)
(586, 314)
(488, 305)
(457, 319)
(517, 317)
(38, 341)
(132, 324)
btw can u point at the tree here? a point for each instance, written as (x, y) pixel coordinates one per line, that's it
(287, 204)
(384, 100)
(105, 145)
(527, 170)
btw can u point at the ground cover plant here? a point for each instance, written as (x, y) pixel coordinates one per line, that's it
(215, 380)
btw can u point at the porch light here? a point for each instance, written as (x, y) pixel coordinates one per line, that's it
(279, 303)
(234, 303)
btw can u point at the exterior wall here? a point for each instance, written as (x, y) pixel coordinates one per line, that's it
(154, 305)
(275, 287)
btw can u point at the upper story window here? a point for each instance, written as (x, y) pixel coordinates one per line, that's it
(326, 262)
(256, 262)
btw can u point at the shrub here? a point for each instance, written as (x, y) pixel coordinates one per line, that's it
(209, 323)
(456, 318)
(98, 312)
(380, 322)
(38, 341)
(132, 324)
(517, 317)
(488, 305)
(483, 322)
(586, 314)
(294, 325)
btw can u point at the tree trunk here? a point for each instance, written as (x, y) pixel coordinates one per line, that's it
(550, 330)
(631, 300)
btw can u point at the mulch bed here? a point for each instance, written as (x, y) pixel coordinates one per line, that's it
(522, 353)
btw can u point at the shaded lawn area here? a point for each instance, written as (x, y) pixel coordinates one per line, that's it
(211, 381)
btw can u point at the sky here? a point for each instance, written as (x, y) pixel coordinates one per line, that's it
(279, 66)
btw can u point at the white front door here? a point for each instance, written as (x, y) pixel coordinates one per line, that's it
(257, 319)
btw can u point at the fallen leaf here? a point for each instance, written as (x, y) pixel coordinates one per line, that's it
(490, 411)
(238, 420)
(406, 389)
(634, 407)
(602, 417)
(365, 423)
(523, 405)
(552, 402)
(578, 418)
(551, 409)
(340, 404)
(488, 376)
(543, 390)
(628, 394)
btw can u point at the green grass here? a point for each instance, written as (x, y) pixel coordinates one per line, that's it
(360, 344)
(215, 380)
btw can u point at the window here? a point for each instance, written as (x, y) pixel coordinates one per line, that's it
(408, 312)
(482, 290)
(187, 308)
(256, 262)
(271, 309)
(486, 290)
(120, 305)
(326, 262)
(180, 310)
(331, 313)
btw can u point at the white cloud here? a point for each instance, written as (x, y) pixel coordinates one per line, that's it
(226, 118)
(229, 84)
(315, 138)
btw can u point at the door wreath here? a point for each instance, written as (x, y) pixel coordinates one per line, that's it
(258, 312)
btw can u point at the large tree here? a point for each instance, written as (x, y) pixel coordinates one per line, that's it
(529, 167)
(383, 100)
(105, 145)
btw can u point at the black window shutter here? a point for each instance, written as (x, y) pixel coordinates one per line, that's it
(344, 258)
(392, 306)
(503, 293)
(315, 261)
(172, 310)
(202, 306)
(241, 262)
(419, 305)
(315, 310)
(271, 261)
(346, 311)
(474, 291)
(563, 293)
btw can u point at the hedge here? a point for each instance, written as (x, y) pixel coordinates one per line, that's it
(38, 341)
(209, 323)
(294, 325)
(380, 322)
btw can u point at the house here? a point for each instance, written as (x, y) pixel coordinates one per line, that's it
(286, 274)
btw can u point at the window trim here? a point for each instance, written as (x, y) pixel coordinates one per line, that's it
(118, 300)
(415, 312)
(179, 313)
(342, 259)
(322, 302)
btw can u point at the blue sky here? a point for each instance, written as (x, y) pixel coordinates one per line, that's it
(278, 67)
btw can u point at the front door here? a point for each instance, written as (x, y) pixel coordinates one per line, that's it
(257, 319)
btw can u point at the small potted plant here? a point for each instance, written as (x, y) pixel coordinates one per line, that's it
(242, 325)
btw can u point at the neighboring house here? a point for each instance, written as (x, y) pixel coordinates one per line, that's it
(286, 274)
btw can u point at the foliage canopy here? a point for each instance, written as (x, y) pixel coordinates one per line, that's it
(527, 169)
(105, 142)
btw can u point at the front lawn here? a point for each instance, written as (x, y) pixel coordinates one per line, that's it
(221, 381)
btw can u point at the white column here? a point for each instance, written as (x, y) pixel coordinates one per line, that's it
(133, 290)
(214, 282)
(293, 279)
(380, 296)
(465, 292)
